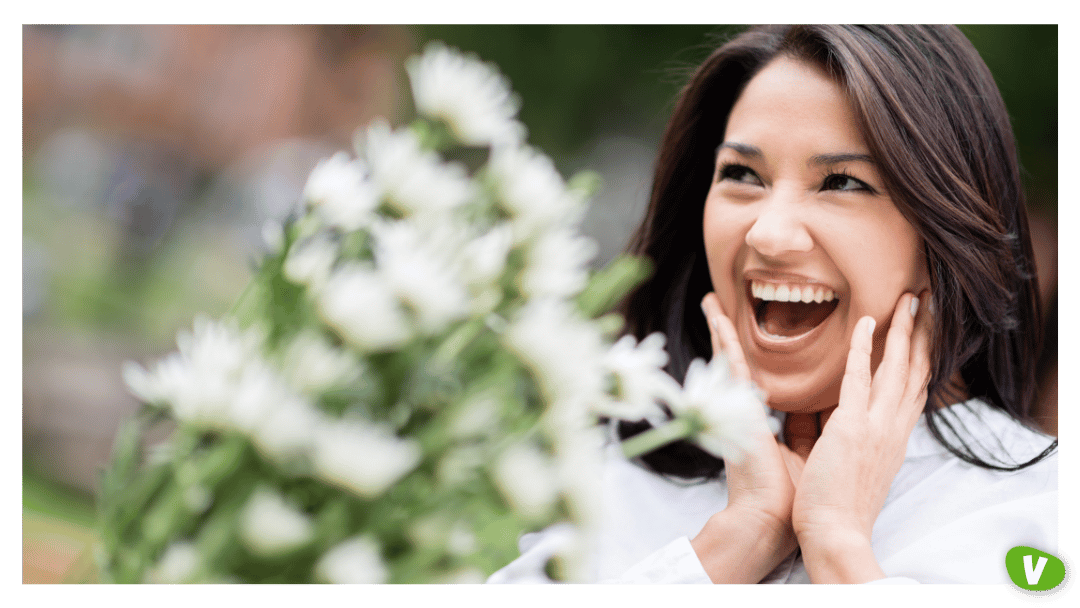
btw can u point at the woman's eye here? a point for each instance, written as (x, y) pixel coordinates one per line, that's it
(839, 181)
(739, 173)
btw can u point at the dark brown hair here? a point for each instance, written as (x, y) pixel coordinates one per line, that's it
(935, 122)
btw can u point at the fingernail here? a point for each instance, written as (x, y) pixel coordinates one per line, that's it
(710, 319)
(914, 306)
(870, 327)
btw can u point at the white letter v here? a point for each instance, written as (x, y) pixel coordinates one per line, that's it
(1033, 574)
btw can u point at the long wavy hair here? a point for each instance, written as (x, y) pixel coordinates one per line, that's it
(934, 121)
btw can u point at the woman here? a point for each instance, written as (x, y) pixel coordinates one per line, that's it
(844, 204)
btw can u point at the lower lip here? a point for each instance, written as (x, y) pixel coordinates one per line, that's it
(775, 344)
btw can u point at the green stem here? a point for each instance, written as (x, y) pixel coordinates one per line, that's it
(241, 309)
(456, 342)
(656, 437)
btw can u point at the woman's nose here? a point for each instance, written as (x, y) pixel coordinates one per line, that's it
(778, 229)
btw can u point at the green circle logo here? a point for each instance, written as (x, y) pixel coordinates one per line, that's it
(1034, 570)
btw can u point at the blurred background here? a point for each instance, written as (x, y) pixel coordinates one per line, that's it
(153, 156)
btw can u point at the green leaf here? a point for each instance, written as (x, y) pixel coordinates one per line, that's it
(657, 437)
(433, 135)
(608, 286)
(587, 183)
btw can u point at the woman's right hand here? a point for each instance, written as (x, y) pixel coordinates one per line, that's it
(753, 534)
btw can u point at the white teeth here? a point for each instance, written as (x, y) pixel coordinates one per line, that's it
(790, 293)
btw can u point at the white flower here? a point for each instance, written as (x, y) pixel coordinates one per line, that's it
(288, 431)
(418, 265)
(642, 381)
(312, 364)
(197, 498)
(177, 565)
(356, 561)
(461, 540)
(532, 191)
(273, 235)
(257, 394)
(219, 345)
(157, 386)
(416, 181)
(478, 416)
(528, 479)
(429, 532)
(199, 380)
(339, 191)
(364, 457)
(473, 98)
(360, 304)
(578, 452)
(484, 257)
(459, 465)
(309, 261)
(731, 411)
(578, 456)
(271, 526)
(438, 531)
(562, 349)
(557, 264)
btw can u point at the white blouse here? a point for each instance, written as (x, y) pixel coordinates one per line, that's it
(944, 520)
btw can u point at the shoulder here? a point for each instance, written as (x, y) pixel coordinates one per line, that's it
(947, 520)
(988, 433)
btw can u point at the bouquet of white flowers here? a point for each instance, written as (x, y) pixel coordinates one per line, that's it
(413, 378)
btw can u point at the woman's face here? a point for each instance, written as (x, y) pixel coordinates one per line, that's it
(801, 237)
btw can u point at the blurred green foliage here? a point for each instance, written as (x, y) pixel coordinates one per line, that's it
(46, 497)
(1024, 61)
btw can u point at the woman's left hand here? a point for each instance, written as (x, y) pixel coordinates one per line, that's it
(849, 471)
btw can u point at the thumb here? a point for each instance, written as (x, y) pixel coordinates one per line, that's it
(724, 337)
(793, 462)
(710, 308)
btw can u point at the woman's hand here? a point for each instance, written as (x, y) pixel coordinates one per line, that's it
(746, 541)
(847, 476)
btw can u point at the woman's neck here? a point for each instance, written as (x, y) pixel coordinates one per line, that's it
(801, 429)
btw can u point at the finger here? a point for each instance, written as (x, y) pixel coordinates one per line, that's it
(714, 333)
(919, 361)
(794, 463)
(823, 417)
(728, 339)
(891, 378)
(855, 387)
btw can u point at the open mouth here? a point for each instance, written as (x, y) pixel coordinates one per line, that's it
(788, 311)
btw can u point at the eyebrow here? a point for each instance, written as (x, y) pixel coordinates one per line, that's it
(843, 157)
(744, 149)
(816, 160)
